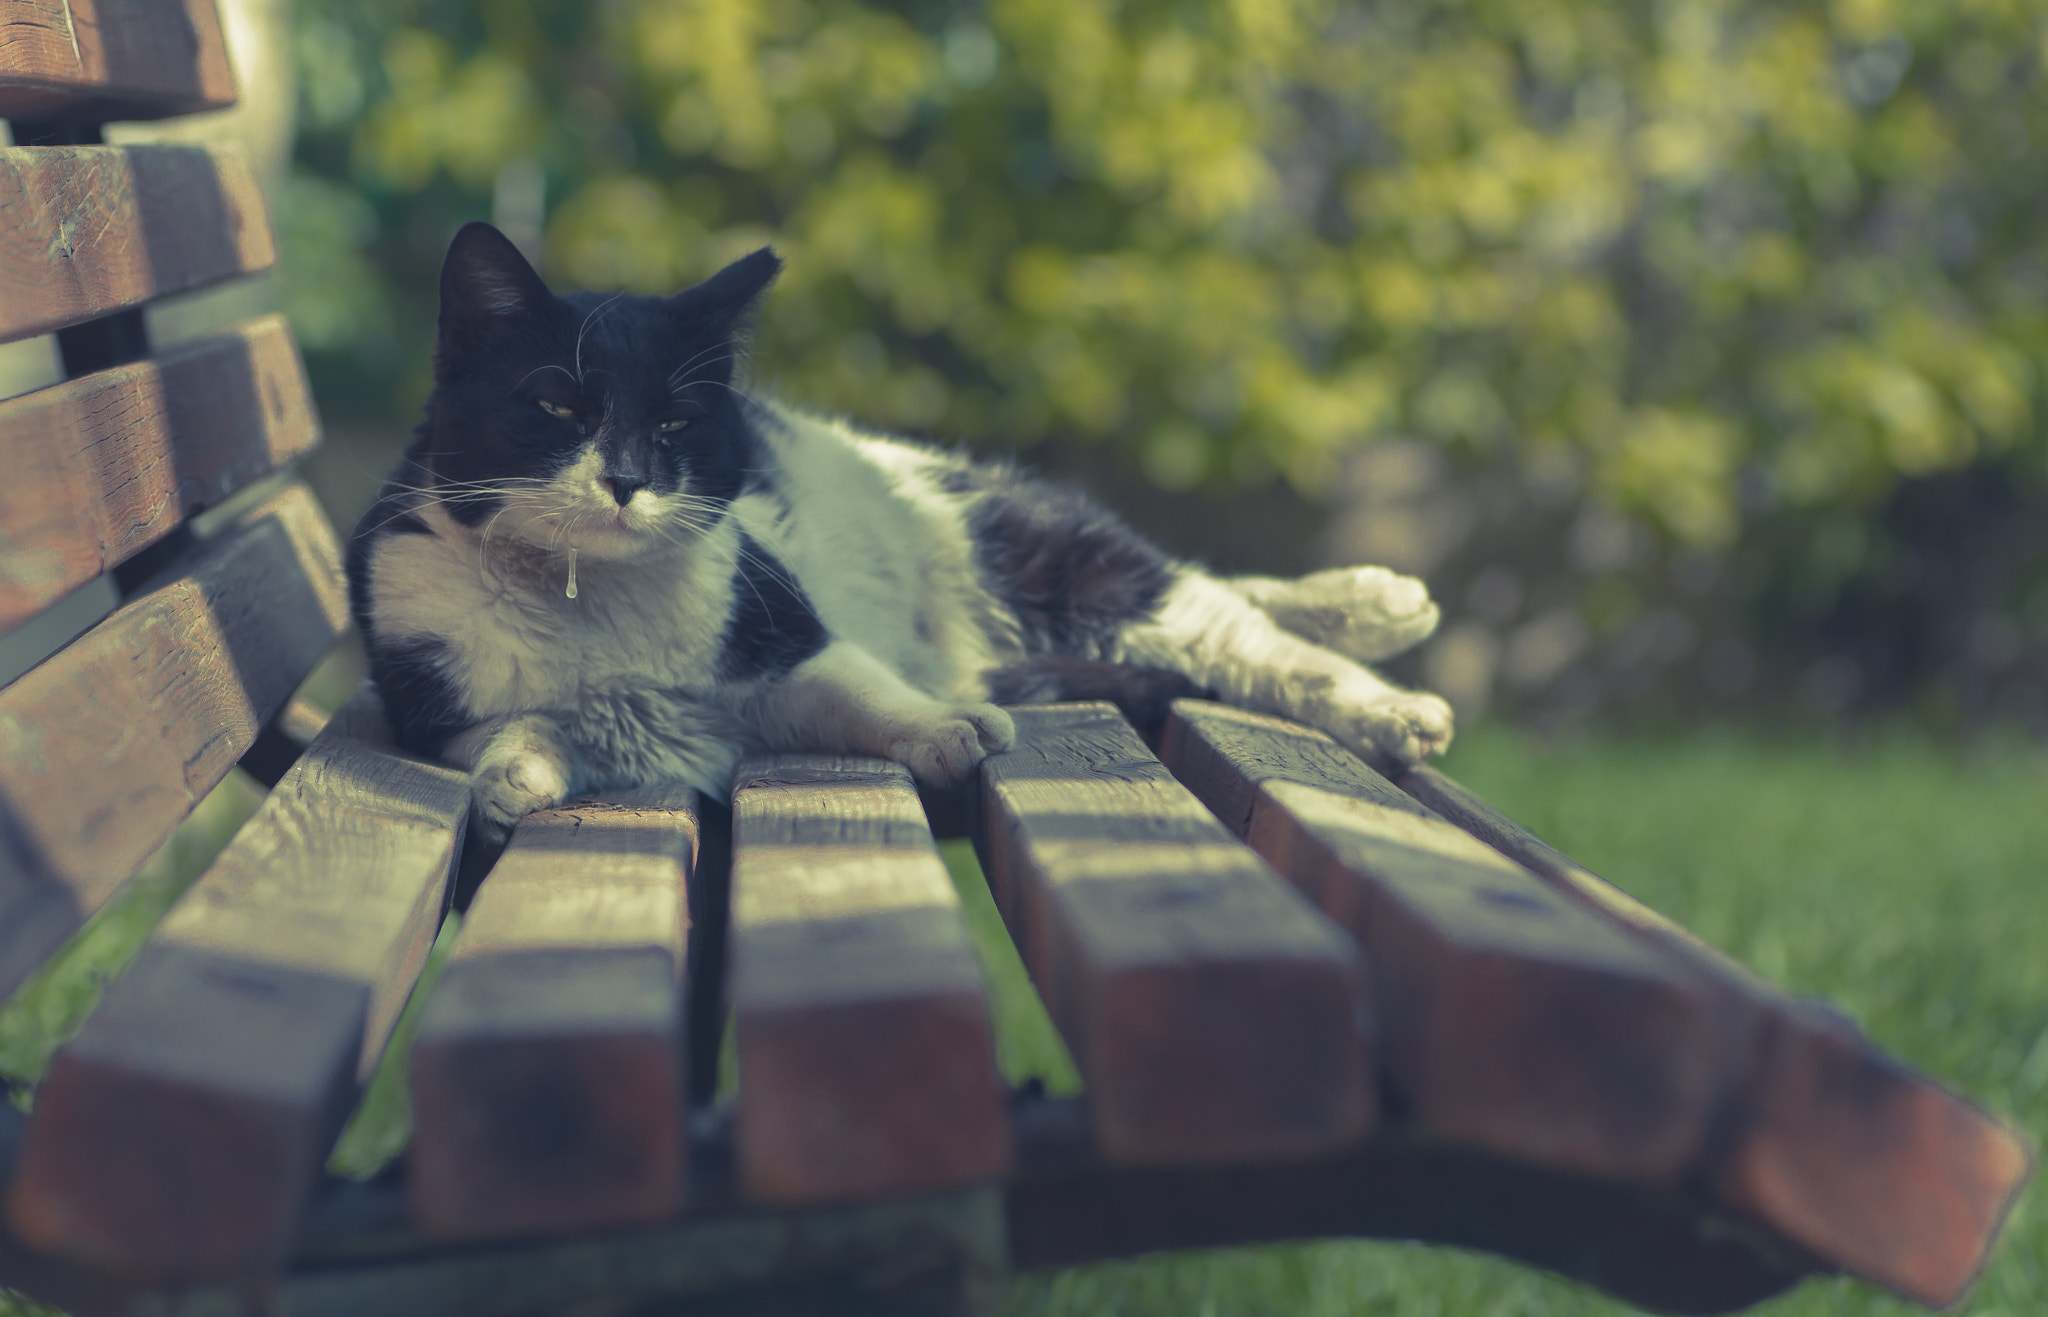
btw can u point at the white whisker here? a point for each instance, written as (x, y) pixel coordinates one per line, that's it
(585, 327)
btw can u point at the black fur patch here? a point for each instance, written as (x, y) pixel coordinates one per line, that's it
(772, 627)
(1071, 570)
(419, 702)
(390, 515)
(1143, 695)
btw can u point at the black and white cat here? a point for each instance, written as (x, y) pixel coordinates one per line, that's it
(601, 564)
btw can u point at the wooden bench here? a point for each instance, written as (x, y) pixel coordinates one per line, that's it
(1305, 1000)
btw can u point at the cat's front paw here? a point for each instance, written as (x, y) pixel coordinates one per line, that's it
(506, 788)
(942, 750)
(1365, 613)
(1405, 726)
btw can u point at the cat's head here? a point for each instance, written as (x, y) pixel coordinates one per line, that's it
(607, 424)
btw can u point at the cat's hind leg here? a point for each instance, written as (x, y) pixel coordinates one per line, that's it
(1208, 632)
(1365, 613)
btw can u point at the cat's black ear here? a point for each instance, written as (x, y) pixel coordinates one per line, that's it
(721, 302)
(486, 285)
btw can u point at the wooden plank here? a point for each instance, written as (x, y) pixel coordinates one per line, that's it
(1876, 1169)
(867, 1063)
(96, 60)
(107, 745)
(100, 468)
(1214, 1016)
(1510, 1019)
(548, 1086)
(1447, 798)
(89, 230)
(180, 1133)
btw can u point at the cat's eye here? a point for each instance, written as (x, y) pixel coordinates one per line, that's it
(556, 409)
(670, 427)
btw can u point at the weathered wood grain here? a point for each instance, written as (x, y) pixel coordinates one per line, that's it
(107, 745)
(179, 1134)
(867, 1065)
(1214, 1016)
(1875, 1169)
(89, 230)
(1446, 797)
(548, 1085)
(1510, 1019)
(99, 60)
(100, 468)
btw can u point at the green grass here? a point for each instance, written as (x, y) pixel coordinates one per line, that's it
(1905, 882)
(1901, 880)
(1027, 1047)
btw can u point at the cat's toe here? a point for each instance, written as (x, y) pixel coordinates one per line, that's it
(1365, 613)
(507, 789)
(1405, 726)
(1391, 612)
(1397, 596)
(943, 753)
(995, 729)
(1428, 719)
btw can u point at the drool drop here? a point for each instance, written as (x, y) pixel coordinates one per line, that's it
(571, 590)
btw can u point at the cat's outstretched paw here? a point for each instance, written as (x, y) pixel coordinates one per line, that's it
(943, 750)
(1405, 726)
(506, 788)
(1365, 613)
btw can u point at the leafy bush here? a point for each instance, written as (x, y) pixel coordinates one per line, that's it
(1710, 254)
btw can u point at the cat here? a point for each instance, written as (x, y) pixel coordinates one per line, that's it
(601, 563)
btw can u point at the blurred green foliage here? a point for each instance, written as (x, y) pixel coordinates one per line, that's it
(1708, 254)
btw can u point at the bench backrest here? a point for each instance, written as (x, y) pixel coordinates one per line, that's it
(107, 745)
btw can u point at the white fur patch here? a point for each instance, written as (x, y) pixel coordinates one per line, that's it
(1209, 633)
(1365, 613)
(845, 700)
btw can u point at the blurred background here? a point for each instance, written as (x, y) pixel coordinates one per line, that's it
(1690, 350)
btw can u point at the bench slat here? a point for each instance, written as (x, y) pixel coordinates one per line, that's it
(99, 60)
(179, 1134)
(1510, 1019)
(89, 230)
(867, 1060)
(99, 468)
(1872, 1167)
(1214, 1016)
(547, 1075)
(107, 745)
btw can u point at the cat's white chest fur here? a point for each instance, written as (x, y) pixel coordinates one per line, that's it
(515, 639)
